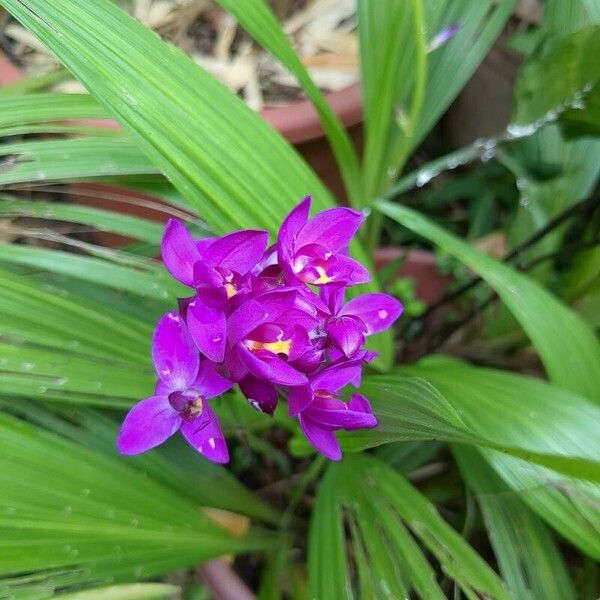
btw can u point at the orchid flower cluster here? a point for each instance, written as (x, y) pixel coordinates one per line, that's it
(271, 320)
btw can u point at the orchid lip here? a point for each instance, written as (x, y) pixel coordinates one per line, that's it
(278, 347)
(189, 404)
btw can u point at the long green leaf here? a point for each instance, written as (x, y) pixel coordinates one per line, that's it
(52, 160)
(132, 591)
(569, 350)
(549, 419)
(234, 169)
(389, 72)
(381, 507)
(147, 280)
(174, 464)
(566, 69)
(39, 108)
(529, 560)
(258, 20)
(75, 516)
(104, 220)
(409, 408)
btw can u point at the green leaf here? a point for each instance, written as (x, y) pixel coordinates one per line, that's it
(569, 350)
(104, 220)
(259, 21)
(381, 508)
(577, 162)
(232, 168)
(174, 464)
(395, 123)
(529, 559)
(40, 108)
(584, 119)
(522, 410)
(410, 408)
(132, 591)
(73, 516)
(52, 160)
(147, 279)
(46, 315)
(390, 32)
(566, 69)
(490, 403)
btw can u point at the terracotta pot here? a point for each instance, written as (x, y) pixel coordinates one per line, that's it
(9, 73)
(420, 265)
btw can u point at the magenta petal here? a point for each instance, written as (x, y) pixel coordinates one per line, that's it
(276, 302)
(205, 436)
(341, 417)
(206, 275)
(244, 319)
(310, 361)
(269, 259)
(359, 403)
(291, 227)
(336, 376)
(261, 395)
(239, 251)
(333, 297)
(333, 229)
(321, 440)
(376, 311)
(179, 252)
(148, 424)
(236, 369)
(286, 239)
(203, 244)
(301, 343)
(299, 398)
(310, 302)
(300, 318)
(348, 271)
(345, 333)
(173, 352)
(207, 326)
(209, 382)
(268, 366)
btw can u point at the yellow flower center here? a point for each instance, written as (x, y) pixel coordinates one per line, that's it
(230, 289)
(323, 277)
(278, 347)
(195, 407)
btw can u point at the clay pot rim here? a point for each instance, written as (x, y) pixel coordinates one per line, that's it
(297, 122)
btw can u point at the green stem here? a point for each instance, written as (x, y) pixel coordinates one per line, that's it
(420, 64)
(373, 232)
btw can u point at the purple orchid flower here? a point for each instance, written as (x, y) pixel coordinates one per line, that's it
(315, 251)
(179, 403)
(320, 412)
(255, 317)
(218, 269)
(266, 334)
(349, 324)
